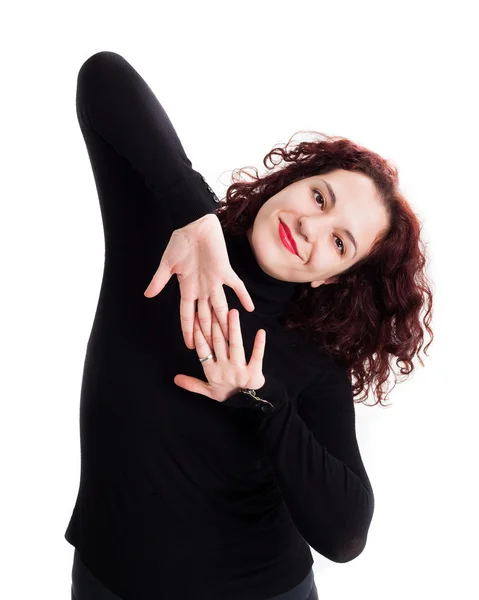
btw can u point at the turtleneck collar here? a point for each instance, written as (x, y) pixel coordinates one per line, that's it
(269, 294)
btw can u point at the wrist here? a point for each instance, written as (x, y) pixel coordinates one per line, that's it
(249, 397)
(259, 402)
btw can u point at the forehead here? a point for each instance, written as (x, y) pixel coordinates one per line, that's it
(346, 183)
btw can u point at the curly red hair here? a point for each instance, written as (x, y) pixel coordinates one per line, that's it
(373, 311)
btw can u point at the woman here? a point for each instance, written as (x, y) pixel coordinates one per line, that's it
(217, 488)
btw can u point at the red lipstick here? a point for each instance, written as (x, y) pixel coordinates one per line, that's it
(287, 238)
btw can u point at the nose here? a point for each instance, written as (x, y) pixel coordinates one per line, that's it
(309, 230)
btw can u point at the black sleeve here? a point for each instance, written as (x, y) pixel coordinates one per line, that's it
(115, 102)
(317, 463)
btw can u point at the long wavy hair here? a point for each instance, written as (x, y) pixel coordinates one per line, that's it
(373, 312)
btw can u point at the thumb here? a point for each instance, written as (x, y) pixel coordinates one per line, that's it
(191, 384)
(160, 279)
(243, 294)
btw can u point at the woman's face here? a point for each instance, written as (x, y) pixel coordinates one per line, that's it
(318, 226)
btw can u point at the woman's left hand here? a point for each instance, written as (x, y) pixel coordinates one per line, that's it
(228, 372)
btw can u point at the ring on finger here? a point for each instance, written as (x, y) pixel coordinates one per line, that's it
(196, 327)
(210, 355)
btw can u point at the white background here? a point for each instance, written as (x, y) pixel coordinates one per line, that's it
(236, 78)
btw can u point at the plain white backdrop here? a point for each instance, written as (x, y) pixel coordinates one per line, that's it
(236, 78)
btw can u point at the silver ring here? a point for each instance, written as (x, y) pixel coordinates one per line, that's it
(207, 357)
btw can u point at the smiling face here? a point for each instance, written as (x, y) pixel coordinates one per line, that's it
(318, 226)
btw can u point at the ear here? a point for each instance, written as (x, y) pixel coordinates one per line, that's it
(315, 284)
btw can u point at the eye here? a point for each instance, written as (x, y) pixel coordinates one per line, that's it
(316, 194)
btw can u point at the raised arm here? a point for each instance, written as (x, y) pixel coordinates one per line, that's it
(115, 102)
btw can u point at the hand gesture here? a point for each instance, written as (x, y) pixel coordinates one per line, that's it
(198, 255)
(227, 372)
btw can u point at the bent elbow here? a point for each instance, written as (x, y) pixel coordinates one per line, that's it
(352, 550)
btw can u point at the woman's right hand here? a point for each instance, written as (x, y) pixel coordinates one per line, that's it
(198, 255)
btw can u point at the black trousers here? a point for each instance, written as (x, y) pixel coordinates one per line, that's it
(125, 155)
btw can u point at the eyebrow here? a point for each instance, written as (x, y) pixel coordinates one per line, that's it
(334, 200)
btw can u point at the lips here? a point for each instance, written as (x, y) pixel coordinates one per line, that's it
(289, 237)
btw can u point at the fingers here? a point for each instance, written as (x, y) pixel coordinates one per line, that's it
(220, 344)
(257, 355)
(204, 319)
(160, 279)
(201, 345)
(220, 308)
(191, 384)
(236, 339)
(187, 317)
(243, 294)
(217, 305)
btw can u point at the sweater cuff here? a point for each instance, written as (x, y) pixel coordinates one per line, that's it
(190, 199)
(273, 390)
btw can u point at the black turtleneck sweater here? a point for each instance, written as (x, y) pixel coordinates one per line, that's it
(182, 496)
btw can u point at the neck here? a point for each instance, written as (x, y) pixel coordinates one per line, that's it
(270, 295)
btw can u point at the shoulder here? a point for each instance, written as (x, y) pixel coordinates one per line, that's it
(322, 364)
(330, 389)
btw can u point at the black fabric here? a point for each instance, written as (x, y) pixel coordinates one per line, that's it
(86, 587)
(181, 496)
(270, 294)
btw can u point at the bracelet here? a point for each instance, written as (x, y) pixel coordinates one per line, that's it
(252, 393)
